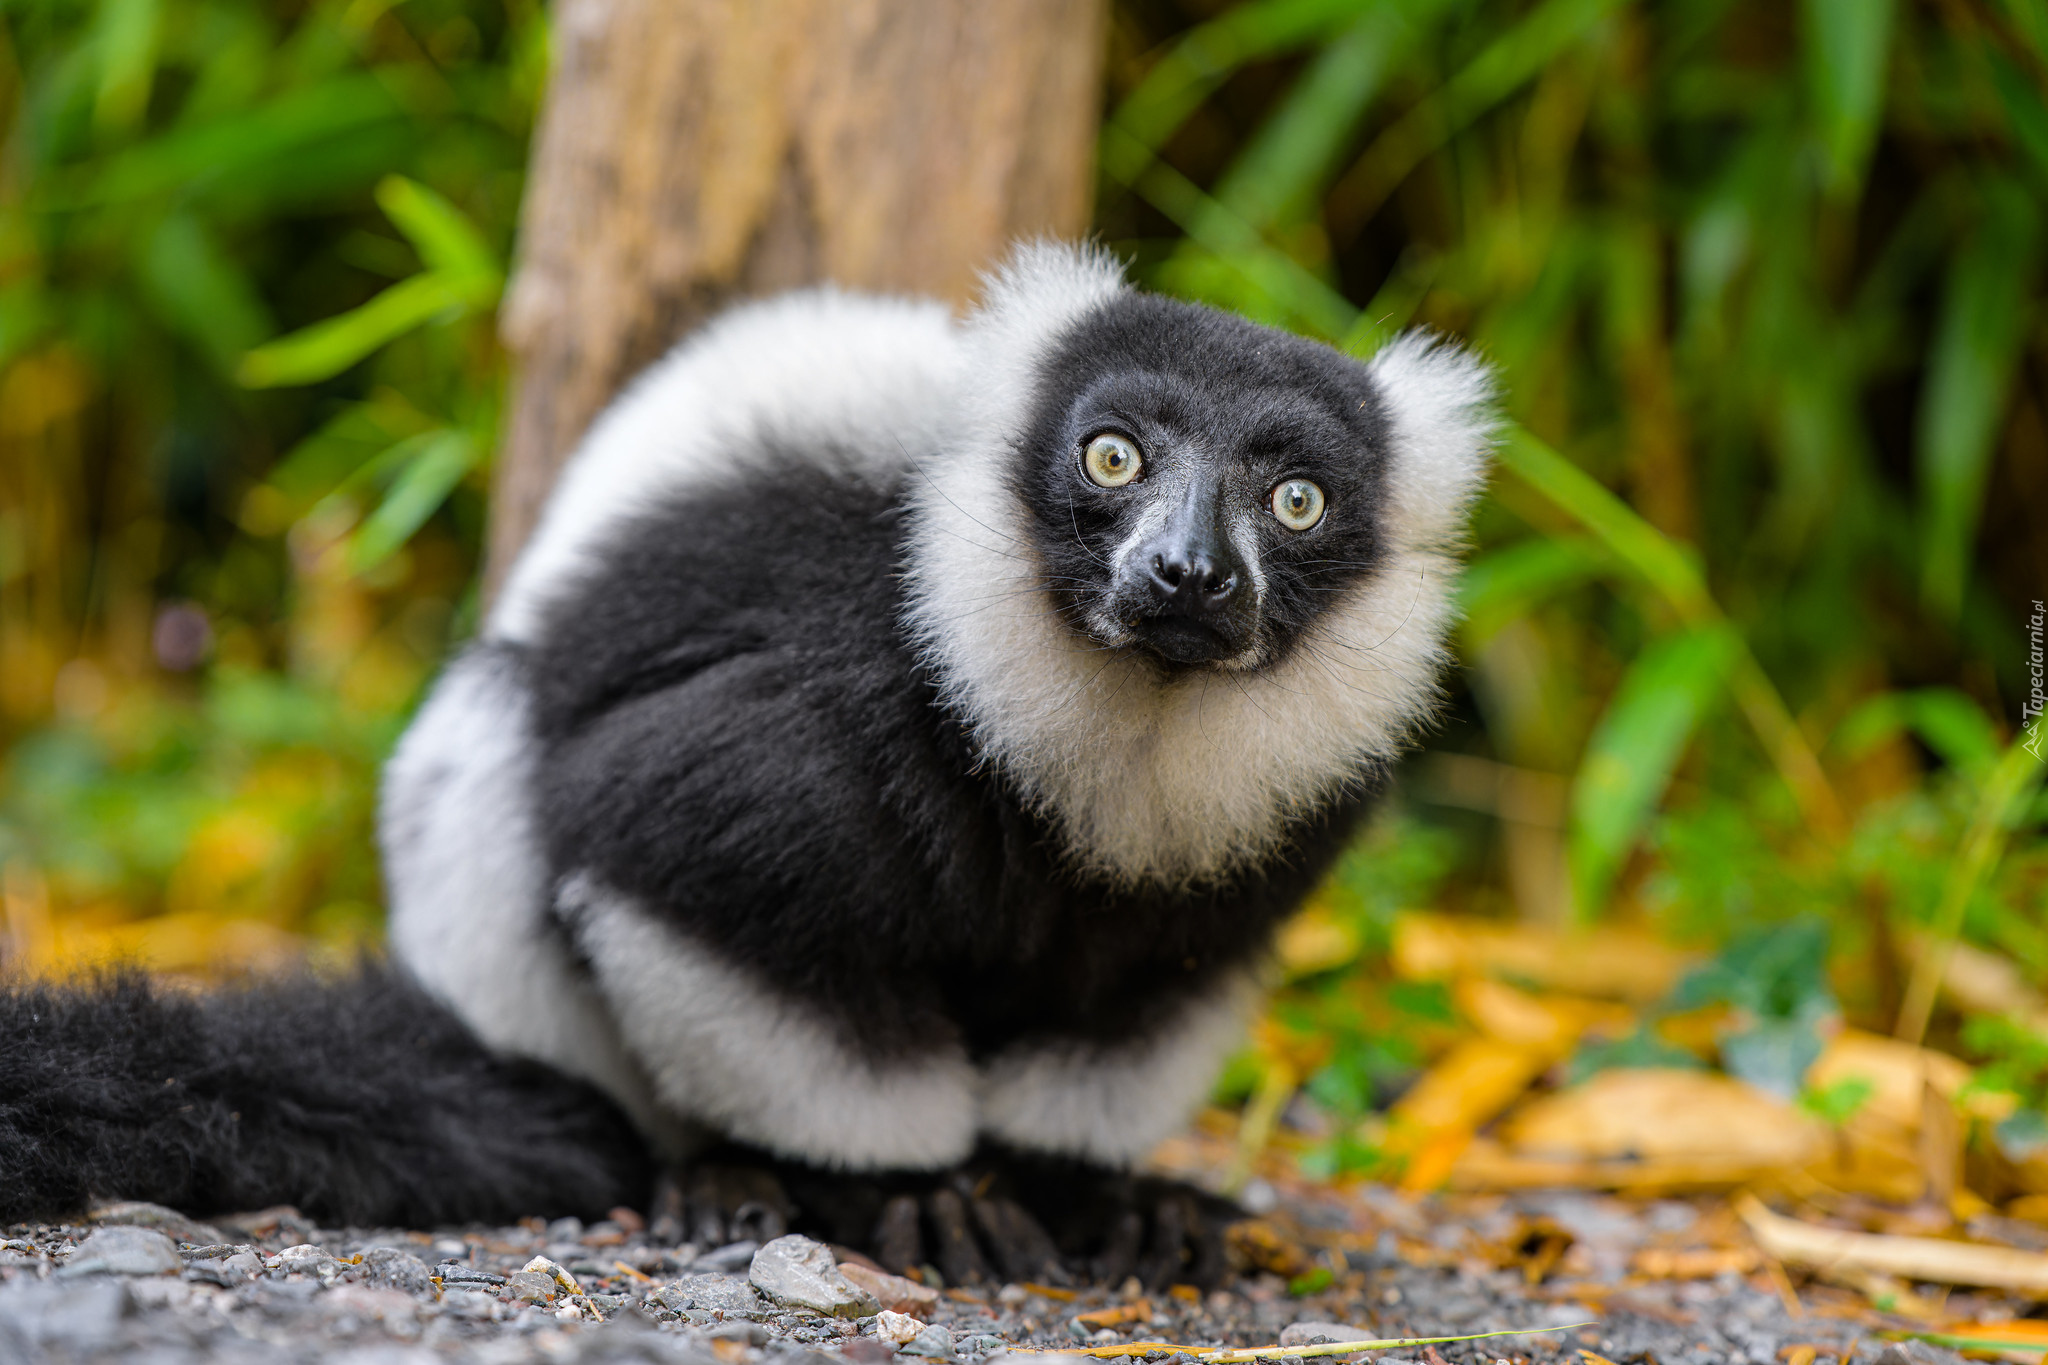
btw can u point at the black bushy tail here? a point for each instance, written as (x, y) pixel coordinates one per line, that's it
(360, 1101)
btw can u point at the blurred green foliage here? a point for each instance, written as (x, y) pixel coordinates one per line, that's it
(249, 251)
(1745, 636)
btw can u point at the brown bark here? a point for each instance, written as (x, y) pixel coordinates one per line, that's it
(693, 152)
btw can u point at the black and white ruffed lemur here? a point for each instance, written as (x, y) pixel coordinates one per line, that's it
(872, 793)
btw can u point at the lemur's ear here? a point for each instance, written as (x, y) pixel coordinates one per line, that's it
(1442, 427)
(1041, 288)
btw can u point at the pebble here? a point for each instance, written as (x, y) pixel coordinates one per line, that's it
(893, 1291)
(933, 1343)
(392, 1268)
(528, 1286)
(137, 1214)
(1318, 1333)
(542, 1265)
(123, 1251)
(897, 1328)
(799, 1273)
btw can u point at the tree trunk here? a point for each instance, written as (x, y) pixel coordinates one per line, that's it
(694, 152)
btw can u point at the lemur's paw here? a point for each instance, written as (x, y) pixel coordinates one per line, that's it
(1005, 1216)
(729, 1198)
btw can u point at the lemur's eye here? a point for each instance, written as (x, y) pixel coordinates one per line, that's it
(1298, 504)
(1110, 461)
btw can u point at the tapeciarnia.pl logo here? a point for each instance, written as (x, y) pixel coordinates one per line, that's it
(2037, 696)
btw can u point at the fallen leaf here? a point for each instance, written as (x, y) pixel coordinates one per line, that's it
(1695, 1263)
(1139, 1310)
(1658, 1113)
(1616, 963)
(1913, 1258)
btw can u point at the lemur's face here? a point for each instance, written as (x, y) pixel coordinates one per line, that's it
(1200, 487)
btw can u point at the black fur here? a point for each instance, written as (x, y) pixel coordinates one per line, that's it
(737, 731)
(360, 1101)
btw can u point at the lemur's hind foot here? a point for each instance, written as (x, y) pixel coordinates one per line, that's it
(1000, 1216)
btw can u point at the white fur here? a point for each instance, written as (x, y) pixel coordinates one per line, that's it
(468, 887)
(860, 384)
(1197, 776)
(1114, 1104)
(754, 1062)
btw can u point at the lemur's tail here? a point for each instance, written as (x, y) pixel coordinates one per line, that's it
(360, 1101)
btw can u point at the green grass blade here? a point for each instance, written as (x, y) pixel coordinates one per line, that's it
(1504, 66)
(126, 36)
(2002, 805)
(1635, 748)
(1501, 587)
(199, 289)
(1846, 45)
(422, 485)
(1201, 61)
(1977, 342)
(447, 241)
(1295, 152)
(332, 345)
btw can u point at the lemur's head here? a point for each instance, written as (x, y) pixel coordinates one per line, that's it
(1186, 578)
(1200, 488)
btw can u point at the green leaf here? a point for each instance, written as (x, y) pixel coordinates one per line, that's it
(1977, 340)
(436, 462)
(1201, 61)
(1513, 59)
(1635, 748)
(127, 32)
(327, 348)
(1294, 153)
(201, 290)
(1948, 720)
(243, 146)
(1507, 584)
(1660, 562)
(1846, 44)
(2023, 108)
(448, 242)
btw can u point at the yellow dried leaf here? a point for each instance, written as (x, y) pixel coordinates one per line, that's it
(1897, 1072)
(1551, 1024)
(1659, 1113)
(1614, 963)
(1315, 941)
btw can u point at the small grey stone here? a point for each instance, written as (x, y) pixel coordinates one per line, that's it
(749, 1333)
(391, 1268)
(123, 1251)
(134, 1213)
(730, 1259)
(1317, 1333)
(530, 1286)
(800, 1273)
(933, 1343)
(307, 1259)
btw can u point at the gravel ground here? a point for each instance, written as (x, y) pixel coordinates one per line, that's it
(152, 1287)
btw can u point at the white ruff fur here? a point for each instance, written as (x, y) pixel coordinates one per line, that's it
(1194, 777)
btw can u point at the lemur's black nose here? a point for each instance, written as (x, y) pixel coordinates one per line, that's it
(1192, 579)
